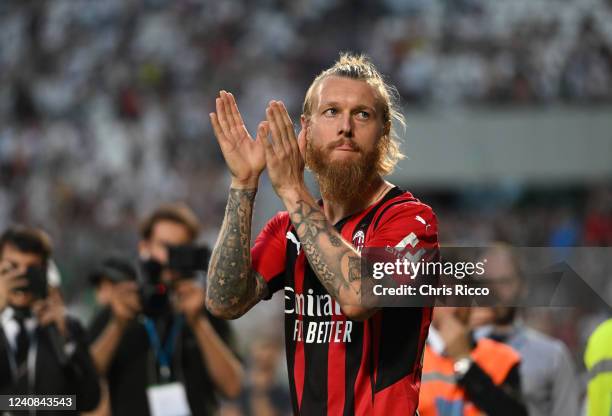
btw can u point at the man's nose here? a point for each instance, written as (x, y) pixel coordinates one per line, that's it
(345, 127)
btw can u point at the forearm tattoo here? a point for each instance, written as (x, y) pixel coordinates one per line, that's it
(233, 287)
(336, 263)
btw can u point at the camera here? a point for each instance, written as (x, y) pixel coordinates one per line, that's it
(187, 260)
(114, 268)
(36, 282)
(184, 260)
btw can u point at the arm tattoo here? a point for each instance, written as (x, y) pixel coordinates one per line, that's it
(326, 251)
(233, 287)
(354, 272)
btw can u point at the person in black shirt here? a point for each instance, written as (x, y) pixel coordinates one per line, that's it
(171, 341)
(42, 350)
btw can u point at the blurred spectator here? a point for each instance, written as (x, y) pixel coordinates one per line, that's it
(589, 65)
(156, 334)
(264, 394)
(104, 278)
(548, 378)
(598, 360)
(112, 270)
(42, 350)
(598, 222)
(464, 376)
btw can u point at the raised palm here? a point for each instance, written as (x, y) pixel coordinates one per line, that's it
(244, 156)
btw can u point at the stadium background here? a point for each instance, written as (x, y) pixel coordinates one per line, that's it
(103, 115)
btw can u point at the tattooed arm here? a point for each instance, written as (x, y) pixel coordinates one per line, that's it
(335, 262)
(233, 286)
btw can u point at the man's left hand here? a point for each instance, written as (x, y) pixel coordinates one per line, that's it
(189, 299)
(284, 159)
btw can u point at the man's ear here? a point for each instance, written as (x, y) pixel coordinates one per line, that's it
(303, 136)
(304, 121)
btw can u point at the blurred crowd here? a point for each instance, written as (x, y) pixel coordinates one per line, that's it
(537, 218)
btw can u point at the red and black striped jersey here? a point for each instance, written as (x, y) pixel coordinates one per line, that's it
(338, 366)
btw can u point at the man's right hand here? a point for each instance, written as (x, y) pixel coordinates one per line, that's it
(125, 302)
(244, 156)
(454, 331)
(10, 278)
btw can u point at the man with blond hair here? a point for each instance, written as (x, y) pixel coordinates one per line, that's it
(344, 357)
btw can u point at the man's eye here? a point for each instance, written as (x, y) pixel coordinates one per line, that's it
(363, 115)
(330, 112)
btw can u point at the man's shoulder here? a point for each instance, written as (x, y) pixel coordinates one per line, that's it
(280, 217)
(491, 348)
(279, 220)
(543, 344)
(406, 203)
(405, 211)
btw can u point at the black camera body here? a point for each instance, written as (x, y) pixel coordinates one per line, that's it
(114, 268)
(36, 282)
(185, 260)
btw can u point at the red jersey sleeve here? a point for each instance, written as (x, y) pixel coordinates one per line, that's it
(410, 225)
(408, 230)
(268, 252)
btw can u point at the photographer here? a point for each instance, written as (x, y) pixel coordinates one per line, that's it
(103, 278)
(42, 350)
(157, 333)
(112, 270)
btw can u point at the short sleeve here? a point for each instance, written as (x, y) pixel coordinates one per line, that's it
(269, 251)
(407, 225)
(406, 231)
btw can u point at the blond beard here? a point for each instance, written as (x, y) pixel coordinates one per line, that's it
(343, 181)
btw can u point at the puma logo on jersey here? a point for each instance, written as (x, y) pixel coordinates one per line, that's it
(291, 237)
(422, 221)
